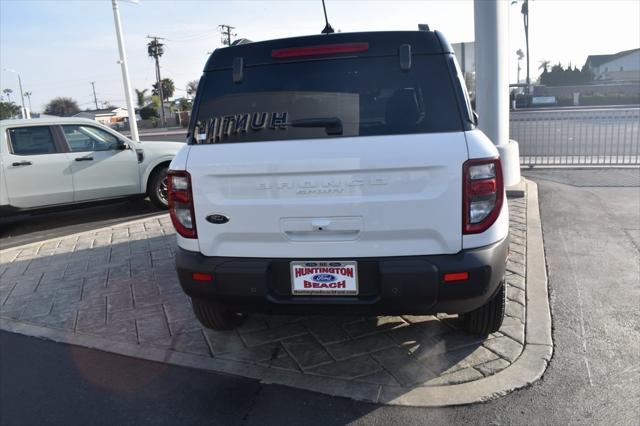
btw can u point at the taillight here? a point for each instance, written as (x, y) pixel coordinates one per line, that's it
(324, 49)
(482, 194)
(181, 203)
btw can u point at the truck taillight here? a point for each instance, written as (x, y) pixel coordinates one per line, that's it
(181, 203)
(482, 194)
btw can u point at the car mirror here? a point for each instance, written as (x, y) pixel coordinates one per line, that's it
(475, 118)
(122, 146)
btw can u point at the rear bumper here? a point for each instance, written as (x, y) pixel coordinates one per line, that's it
(387, 285)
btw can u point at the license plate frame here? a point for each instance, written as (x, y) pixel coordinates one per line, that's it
(324, 278)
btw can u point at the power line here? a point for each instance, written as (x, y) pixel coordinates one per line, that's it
(192, 37)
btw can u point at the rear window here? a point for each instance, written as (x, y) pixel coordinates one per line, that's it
(368, 96)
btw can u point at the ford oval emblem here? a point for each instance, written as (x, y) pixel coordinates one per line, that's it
(217, 219)
(324, 278)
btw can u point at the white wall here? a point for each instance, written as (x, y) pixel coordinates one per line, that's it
(611, 70)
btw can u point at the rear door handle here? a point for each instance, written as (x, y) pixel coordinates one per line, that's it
(22, 163)
(84, 159)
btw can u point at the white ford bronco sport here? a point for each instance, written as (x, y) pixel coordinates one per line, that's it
(339, 174)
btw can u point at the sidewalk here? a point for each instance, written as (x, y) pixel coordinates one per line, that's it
(116, 289)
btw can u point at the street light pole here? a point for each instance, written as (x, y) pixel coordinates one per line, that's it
(23, 111)
(125, 74)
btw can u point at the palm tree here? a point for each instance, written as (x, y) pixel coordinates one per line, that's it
(525, 18)
(520, 56)
(141, 97)
(28, 95)
(155, 49)
(544, 65)
(192, 87)
(8, 92)
(168, 88)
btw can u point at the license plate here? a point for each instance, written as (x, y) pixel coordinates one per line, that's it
(326, 278)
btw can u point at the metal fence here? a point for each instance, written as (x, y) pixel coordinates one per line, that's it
(577, 137)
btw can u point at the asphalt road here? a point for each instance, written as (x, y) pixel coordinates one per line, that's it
(591, 226)
(173, 135)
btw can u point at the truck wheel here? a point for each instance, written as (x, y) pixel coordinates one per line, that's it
(212, 315)
(487, 318)
(157, 188)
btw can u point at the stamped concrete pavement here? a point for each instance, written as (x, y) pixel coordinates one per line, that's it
(116, 289)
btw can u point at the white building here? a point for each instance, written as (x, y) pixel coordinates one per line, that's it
(107, 116)
(621, 66)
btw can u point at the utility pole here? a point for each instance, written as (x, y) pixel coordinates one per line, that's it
(156, 50)
(225, 30)
(133, 124)
(95, 98)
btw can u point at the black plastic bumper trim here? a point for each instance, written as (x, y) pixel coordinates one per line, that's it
(387, 285)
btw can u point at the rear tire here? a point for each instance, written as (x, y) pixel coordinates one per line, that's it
(214, 316)
(487, 318)
(157, 188)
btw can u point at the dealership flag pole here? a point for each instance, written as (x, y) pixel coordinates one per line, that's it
(133, 125)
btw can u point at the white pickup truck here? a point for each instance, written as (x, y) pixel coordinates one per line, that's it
(47, 163)
(341, 174)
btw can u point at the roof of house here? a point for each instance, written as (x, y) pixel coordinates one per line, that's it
(103, 111)
(597, 60)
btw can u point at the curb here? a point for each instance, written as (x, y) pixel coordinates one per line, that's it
(525, 370)
(538, 349)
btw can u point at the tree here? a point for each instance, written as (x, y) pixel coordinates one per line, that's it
(168, 88)
(8, 92)
(155, 101)
(155, 49)
(8, 110)
(544, 65)
(184, 104)
(28, 95)
(148, 112)
(525, 19)
(559, 76)
(141, 97)
(61, 106)
(192, 87)
(520, 56)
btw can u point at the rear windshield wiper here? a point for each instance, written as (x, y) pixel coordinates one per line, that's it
(332, 125)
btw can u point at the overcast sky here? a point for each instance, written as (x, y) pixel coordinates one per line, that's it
(60, 46)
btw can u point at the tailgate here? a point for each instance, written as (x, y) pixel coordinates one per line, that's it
(393, 195)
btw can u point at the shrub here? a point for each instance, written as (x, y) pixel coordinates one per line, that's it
(148, 112)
